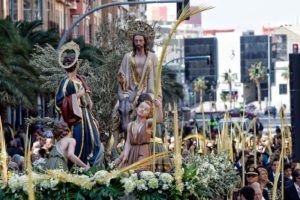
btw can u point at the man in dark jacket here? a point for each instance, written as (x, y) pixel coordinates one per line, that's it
(293, 192)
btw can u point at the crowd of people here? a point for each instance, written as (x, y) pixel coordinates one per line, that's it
(260, 164)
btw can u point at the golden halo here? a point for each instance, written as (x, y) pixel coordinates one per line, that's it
(141, 27)
(68, 46)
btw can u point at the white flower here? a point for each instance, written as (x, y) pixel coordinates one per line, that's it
(45, 184)
(101, 174)
(141, 185)
(165, 187)
(153, 183)
(147, 175)
(23, 181)
(134, 177)
(13, 183)
(128, 184)
(53, 182)
(166, 178)
(84, 180)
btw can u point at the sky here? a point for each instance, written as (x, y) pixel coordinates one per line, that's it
(248, 14)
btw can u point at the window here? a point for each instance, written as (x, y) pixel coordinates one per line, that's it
(33, 10)
(76, 28)
(282, 89)
(14, 10)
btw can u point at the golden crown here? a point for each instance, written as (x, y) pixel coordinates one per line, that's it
(68, 46)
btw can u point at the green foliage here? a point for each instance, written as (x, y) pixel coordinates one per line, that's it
(153, 196)
(256, 72)
(18, 79)
(224, 96)
(190, 171)
(200, 84)
(285, 74)
(102, 192)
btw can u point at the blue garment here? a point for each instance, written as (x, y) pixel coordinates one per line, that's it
(85, 132)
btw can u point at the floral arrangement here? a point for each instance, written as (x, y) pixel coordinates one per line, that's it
(204, 177)
(209, 176)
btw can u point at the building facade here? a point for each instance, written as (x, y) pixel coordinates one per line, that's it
(207, 64)
(58, 14)
(264, 49)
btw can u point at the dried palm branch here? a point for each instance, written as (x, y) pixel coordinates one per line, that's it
(31, 195)
(276, 178)
(177, 153)
(3, 155)
(187, 12)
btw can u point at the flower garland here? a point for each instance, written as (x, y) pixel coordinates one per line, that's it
(204, 177)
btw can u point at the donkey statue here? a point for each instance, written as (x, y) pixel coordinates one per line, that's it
(123, 114)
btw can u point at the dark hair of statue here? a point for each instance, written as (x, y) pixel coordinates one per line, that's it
(145, 45)
(60, 130)
(144, 97)
(68, 59)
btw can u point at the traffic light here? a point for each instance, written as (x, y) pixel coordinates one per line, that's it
(193, 95)
(256, 72)
(268, 73)
(181, 6)
(295, 48)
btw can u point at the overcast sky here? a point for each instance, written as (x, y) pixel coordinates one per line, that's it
(248, 14)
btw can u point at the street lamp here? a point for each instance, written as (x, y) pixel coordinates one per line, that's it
(269, 68)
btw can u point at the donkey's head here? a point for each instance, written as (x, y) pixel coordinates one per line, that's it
(126, 108)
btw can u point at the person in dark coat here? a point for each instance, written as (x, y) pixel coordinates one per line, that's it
(293, 192)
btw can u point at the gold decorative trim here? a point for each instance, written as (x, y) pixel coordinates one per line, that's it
(82, 138)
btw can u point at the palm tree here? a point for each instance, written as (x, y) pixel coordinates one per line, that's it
(33, 33)
(17, 77)
(257, 74)
(286, 75)
(229, 79)
(224, 97)
(199, 86)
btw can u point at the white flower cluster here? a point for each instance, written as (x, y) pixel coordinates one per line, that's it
(101, 177)
(128, 184)
(167, 180)
(20, 182)
(16, 182)
(212, 173)
(147, 180)
(49, 183)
